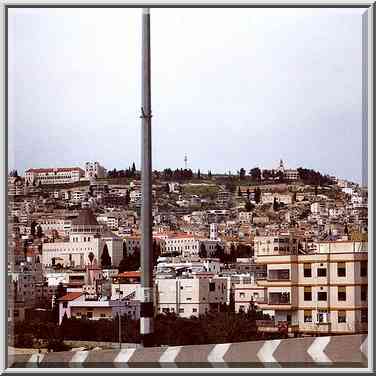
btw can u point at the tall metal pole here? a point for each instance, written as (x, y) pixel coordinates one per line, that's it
(147, 309)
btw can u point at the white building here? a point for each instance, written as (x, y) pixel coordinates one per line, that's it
(54, 175)
(191, 296)
(94, 170)
(86, 237)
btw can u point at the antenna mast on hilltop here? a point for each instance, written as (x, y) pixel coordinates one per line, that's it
(185, 161)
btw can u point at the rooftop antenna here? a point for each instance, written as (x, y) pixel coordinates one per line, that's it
(185, 161)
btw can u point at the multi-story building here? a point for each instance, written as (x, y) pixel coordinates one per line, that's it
(54, 175)
(193, 296)
(324, 291)
(94, 170)
(247, 293)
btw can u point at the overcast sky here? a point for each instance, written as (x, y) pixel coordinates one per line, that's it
(231, 88)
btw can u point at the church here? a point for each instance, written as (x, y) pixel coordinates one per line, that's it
(87, 241)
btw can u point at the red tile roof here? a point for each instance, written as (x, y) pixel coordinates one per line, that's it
(130, 274)
(70, 296)
(60, 169)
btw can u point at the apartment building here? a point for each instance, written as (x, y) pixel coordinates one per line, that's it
(192, 296)
(321, 292)
(54, 175)
(246, 294)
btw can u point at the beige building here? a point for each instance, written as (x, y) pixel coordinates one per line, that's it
(324, 291)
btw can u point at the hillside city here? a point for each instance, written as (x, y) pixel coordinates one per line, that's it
(237, 256)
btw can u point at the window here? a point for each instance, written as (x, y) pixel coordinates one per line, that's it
(181, 310)
(307, 270)
(341, 269)
(364, 315)
(241, 308)
(89, 315)
(194, 309)
(321, 272)
(341, 316)
(189, 299)
(308, 293)
(103, 315)
(322, 316)
(211, 286)
(65, 304)
(242, 295)
(363, 268)
(363, 292)
(307, 315)
(341, 293)
(322, 296)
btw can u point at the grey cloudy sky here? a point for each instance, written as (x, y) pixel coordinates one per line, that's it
(230, 87)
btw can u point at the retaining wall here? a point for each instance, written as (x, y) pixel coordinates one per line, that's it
(335, 351)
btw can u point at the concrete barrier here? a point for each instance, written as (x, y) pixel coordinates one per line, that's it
(334, 351)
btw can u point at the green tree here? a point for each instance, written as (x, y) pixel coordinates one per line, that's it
(239, 192)
(133, 169)
(91, 257)
(32, 228)
(241, 173)
(257, 195)
(105, 258)
(249, 206)
(275, 204)
(255, 174)
(39, 231)
(203, 253)
(198, 174)
(124, 249)
(209, 174)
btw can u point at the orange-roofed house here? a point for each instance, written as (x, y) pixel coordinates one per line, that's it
(65, 303)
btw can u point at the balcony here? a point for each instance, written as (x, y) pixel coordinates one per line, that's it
(279, 275)
(279, 298)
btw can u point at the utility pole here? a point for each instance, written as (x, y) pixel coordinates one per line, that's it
(146, 304)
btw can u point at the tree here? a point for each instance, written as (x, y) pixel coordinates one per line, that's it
(249, 206)
(346, 229)
(133, 169)
(91, 257)
(275, 204)
(242, 174)
(39, 231)
(32, 228)
(239, 192)
(294, 197)
(203, 253)
(156, 251)
(257, 195)
(209, 174)
(198, 174)
(60, 291)
(267, 174)
(127, 197)
(232, 252)
(255, 174)
(248, 193)
(105, 258)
